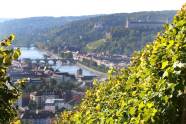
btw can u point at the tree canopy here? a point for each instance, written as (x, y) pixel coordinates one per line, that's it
(9, 91)
(150, 90)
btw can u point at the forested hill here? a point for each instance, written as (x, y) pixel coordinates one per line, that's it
(107, 33)
(27, 30)
(99, 33)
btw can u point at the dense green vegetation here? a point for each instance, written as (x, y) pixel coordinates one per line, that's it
(150, 90)
(94, 45)
(66, 55)
(126, 41)
(106, 33)
(9, 91)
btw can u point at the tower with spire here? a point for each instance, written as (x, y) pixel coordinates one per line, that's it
(127, 23)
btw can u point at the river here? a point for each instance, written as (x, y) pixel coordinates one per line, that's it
(34, 53)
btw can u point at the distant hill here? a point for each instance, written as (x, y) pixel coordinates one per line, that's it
(27, 29)
(4, 19)
(99, 33)
(108, 33)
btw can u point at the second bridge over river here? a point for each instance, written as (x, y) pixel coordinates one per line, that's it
(51, 61)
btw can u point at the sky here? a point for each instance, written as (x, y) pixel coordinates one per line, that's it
(56, 8)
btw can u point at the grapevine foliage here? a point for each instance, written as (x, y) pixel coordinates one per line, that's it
(9, 92)
(150, 90)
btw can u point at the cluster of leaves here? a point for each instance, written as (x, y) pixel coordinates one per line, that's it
(150, 90)
(9, 92)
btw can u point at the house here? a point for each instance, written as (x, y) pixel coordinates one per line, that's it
(76, 97)
(25, 99)
(64, 76)
(54, 105)
(79, 73)
(98, 26)
(38, 117)
(40, 97)
(145, 24)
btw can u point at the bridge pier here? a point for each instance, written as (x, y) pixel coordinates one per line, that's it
(46, 61)
(55, 62)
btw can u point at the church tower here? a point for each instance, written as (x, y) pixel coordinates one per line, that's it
(127, 23)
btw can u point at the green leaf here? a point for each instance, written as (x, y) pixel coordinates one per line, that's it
(181, 23)
(165, 74)
(16, 54)
(131, 110)
(150, 105)
(164, 64)
(7, 60)
(171, 43)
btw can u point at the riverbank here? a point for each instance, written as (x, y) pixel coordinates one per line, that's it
(92, 70)
(98, 73)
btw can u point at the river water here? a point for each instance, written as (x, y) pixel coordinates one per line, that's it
(34, 53)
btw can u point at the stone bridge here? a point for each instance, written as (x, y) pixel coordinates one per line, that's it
(54, 61)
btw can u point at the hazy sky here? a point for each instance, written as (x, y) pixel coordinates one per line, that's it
(30, 8)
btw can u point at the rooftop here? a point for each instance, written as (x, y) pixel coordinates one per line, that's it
(37, 115)
(51, 101)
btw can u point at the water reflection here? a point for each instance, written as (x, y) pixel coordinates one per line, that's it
(34, 53)
(31, 53)
(72, 69)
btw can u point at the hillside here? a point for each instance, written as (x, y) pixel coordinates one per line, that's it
(84, 35)
(28, 30)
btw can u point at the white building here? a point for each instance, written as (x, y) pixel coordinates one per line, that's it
(55, 104)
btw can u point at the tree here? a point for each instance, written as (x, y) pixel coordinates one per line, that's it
(9, 91)
(32, 105)
(150, 90)
(66, 55)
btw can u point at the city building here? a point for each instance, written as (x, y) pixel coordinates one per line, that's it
(41, 97)
(54, 105)
(38, 117)
(144, 24)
